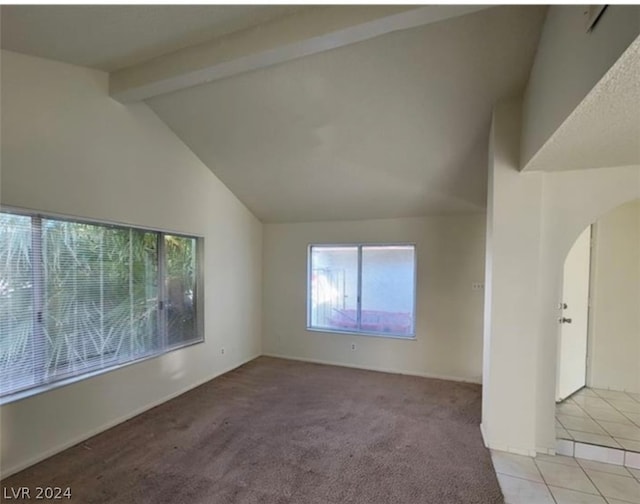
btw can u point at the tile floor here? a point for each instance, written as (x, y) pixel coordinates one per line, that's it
(557, 479)
(600, 417)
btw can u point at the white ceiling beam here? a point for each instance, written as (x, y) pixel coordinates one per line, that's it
(306, 32)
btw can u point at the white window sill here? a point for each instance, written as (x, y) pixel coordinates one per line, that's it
(40, 389)
(411, 337)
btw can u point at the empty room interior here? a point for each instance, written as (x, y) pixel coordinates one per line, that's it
(320, 254)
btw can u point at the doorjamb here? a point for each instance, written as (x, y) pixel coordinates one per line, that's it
(590, 310)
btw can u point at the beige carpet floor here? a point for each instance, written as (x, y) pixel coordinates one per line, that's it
(279, 431)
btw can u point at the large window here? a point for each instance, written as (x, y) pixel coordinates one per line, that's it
(76, 297)
(363, 289)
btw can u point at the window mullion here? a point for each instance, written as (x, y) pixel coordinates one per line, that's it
(162, 294)
(39, 346)
(132, 332)
(103, 336)
(359, 299)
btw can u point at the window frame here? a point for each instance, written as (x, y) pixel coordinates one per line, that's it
(360, 246)
(65, 379)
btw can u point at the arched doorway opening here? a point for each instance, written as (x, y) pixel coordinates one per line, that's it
(598, 352)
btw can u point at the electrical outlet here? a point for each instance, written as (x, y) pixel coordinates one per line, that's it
(353, 346)
(477, 286)
(222, 350)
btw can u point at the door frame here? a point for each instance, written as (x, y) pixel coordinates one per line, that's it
(590, 311)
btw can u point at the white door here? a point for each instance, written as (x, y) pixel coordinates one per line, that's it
(572, 348)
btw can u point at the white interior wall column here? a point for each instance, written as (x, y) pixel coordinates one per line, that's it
(513, 262)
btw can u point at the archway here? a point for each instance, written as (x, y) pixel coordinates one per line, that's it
(598, 350)
(572, 201)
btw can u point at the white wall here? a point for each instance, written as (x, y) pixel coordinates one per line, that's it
(68, 148)
(534, 219)
(450, 257)
(511, 283)
(568, 63)
(615, 301)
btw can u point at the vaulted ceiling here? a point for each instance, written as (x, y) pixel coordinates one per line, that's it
(111, 37)
(391, 126)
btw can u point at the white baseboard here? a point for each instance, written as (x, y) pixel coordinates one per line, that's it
(376, 368)
(484, 437)
(6, 472)
(511, 449)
